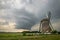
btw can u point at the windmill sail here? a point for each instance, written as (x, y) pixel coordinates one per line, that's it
(49, 15)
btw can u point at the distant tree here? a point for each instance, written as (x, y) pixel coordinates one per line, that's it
(31, 32)
(54, 32)
(58, 32)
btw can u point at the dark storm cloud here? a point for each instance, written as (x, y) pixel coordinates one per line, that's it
(4, 4)
(25, 19)
(26, 13)
(55, 8)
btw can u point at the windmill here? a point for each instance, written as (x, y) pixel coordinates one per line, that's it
(45, 24)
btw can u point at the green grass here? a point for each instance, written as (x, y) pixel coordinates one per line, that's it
(19, 36)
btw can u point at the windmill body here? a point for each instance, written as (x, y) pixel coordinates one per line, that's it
(45, 24)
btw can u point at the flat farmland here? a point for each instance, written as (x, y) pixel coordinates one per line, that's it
(28, 36)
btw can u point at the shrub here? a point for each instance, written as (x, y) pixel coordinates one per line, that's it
(58, 32)
(54, 32)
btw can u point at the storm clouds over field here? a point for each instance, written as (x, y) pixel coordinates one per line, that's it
(23, 14)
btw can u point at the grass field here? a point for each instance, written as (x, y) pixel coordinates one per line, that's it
(19, 36)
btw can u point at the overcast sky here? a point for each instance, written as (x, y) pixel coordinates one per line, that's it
(24, 14)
